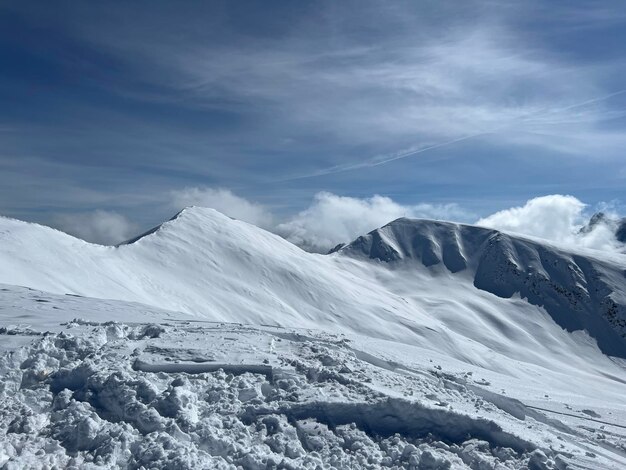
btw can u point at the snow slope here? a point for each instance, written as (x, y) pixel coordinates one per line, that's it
(171, 391)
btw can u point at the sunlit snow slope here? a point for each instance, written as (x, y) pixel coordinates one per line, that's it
(469, 291)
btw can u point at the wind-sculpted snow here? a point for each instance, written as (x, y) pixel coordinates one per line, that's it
(580, 292)
(171, 392)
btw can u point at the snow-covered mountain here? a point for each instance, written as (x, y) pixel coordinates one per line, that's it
(615, 224)
(411, 280)
(527, 316)
(579, 291)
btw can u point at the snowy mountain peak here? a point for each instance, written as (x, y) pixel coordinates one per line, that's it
(595, 220)
(579, 292)
(203, 230)
(431, 242)
(614, 224)
(188, 215)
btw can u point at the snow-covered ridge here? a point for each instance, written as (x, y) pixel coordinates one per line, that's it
(200, 262)
(162, 226)
(206, 264)
(581, 292)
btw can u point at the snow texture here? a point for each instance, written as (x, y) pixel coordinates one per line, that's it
(179, 393)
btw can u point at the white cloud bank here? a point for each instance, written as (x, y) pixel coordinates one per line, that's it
(332, 219)
(553, 217)
(99, 226)
(556, 217)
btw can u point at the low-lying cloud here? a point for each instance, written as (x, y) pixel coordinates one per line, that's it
(332, 219)
(552, 217)
(226, 202)
(557, 218)
(99, 226)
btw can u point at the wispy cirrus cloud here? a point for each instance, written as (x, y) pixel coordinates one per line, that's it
(424, 88)
(350, 98)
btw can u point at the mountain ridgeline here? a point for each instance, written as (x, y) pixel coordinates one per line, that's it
(579, 292)
(467, 290)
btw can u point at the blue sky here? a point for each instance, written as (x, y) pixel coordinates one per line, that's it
(126, 108)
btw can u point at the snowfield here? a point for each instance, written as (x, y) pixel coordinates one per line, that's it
(169, 391)
(210, 343)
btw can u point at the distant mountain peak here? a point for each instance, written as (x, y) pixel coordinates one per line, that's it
(189, 214)
(429, 241)
(615, 224)
(594, 221)
(571, 287)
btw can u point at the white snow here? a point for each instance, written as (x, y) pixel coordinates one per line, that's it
(210, 343)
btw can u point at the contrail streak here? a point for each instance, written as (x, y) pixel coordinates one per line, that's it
(378, 160)
(426, 149)
(591, 101)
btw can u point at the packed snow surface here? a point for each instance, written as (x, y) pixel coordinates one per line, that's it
(210, 343)
(170, 391)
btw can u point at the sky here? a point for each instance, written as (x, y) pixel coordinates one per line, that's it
(114, 115)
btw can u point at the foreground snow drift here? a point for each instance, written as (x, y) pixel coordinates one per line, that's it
(168, 391)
